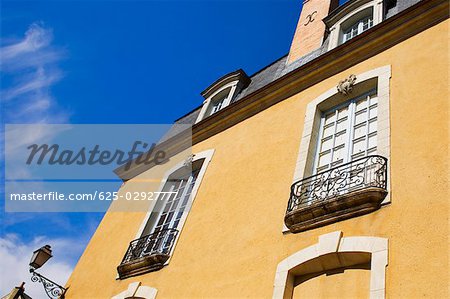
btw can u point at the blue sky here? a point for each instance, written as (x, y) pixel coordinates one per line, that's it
(118, 62)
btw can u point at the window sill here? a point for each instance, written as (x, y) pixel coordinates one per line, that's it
(342, 207)
(142, 265)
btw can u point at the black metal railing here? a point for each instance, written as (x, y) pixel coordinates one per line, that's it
(160, 242)
(370, 171)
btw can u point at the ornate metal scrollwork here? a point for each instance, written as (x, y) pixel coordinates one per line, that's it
(52, 289)
(370, 171)
(160, 242)
(346, 86)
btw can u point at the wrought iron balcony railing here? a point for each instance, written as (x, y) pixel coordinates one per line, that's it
(337, 192)
(148, 253)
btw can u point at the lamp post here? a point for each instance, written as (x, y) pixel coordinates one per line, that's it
(39, 258)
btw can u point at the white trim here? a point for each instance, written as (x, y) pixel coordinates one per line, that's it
(227, 102)
(335, 30)
(207, 156)
(335, 243)
(136, 290)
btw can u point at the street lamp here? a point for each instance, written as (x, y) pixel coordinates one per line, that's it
(38, 259)
(41, 256)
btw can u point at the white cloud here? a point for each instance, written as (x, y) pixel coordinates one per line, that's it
(15, 256)
(36, 37)
(36, 83)
(31, 65)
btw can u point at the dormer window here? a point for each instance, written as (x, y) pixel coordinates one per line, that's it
(357, 28)
(352, 19)
(219, 101)
(222, 93)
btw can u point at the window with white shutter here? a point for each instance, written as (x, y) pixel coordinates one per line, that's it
(347, 132)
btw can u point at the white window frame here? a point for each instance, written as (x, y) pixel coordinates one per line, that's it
(358, 26)
(335, 37)
(351, 115)
(207, 156)
(310, 135)
(208, 102)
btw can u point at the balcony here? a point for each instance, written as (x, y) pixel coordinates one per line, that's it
(147, 254)
(346, 191)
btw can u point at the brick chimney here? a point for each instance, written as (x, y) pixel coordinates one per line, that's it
(310, 28)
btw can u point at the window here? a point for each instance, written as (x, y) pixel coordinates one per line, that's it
(158, 234)
(218, 101)
(221, 93)
(357, 28)
(348, 132)
(352, 19)
(342, 167)
(173, 201)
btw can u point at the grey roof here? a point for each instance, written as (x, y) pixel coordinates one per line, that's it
(280, 68)
(180, 124)
(263, 77)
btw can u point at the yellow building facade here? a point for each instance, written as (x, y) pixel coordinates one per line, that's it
(327, 180)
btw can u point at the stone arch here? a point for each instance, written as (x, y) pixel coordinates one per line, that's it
(332, 252)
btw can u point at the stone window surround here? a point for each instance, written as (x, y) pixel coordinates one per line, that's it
(136, 290)
(335, 26)
(334, 243)
(207, 102)
(207, 155)
(313, 114)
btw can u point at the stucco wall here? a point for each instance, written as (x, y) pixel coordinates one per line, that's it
(232, 241)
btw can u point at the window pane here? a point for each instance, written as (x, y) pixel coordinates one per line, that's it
(339, 154)
(359, 145)
(175, 207)
(341, 138)
(328, 130)
(324, 158)
(342, 125)
(330, 118)
(373, 125)
(360, 130)
(358, 27)
(372, 140)
(374, 100)
(361, 116)
(361, 104)
(343, 112)
(326, 144)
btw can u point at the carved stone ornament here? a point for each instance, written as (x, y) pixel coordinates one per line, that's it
(188, 161)
(346, 86)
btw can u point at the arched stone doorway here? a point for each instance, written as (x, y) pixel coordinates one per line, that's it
(334, 253)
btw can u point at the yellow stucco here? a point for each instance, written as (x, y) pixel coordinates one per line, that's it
(340, 284)
(231, 242)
